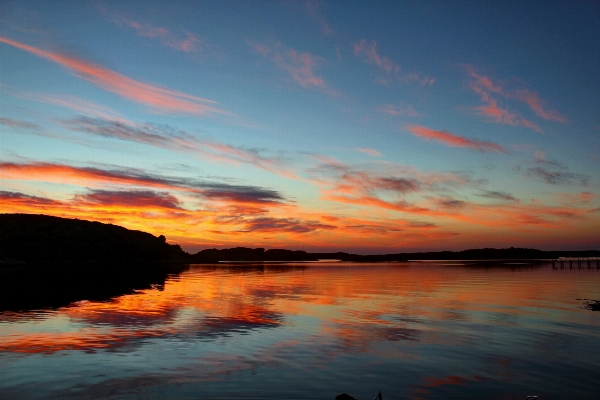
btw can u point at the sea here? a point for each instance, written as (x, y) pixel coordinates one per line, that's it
(410, 330)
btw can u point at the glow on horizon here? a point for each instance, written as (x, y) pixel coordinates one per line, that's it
(219, 132)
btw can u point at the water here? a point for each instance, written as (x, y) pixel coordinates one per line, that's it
(312, 331)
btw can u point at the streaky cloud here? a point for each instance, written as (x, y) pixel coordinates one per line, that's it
(453, 140)
(128, 198)
(158, 98)
(189, 43)
(291, 225)
(497, 195)
(370, 152)
(301, 66)
(557, 177)
(17, 123)
(168, 137)
(132, 178)
(391, 70)
(22, 198)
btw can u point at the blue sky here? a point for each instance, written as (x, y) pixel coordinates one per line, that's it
(395, 126)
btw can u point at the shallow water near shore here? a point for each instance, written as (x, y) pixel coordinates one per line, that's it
(312, 331)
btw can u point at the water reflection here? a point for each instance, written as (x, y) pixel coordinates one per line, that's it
(411, 330)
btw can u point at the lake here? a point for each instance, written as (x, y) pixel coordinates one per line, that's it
(426, 330)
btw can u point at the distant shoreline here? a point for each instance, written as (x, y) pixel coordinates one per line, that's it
(32, 239)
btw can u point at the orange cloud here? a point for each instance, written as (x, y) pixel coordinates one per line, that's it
(454, 140)
(158, 98)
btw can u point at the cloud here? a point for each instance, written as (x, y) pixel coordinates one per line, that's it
(451, 203)
(167, 137)
(497, 195)
(371, 152)
(497, 114)
(132, 178)
(453, 140)
(188, 43)
(300, 66)
(557, 177)
(314, 10)
(284, 225)
(398, 111)
(158, 98)
(489, 93)
(390, 69)
(155, 135)
(243, 194)
(387, 187)
(129, 198)
(17, 123)
(70, 102)
(24, 199)
(537, 105)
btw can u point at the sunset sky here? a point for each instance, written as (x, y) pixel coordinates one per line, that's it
(323, 126)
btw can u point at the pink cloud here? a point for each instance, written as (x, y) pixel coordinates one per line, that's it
(497, 114)
(368, 51)
(398, 111)
(300, 66)
(313, 8)
(488, 91)
(159, 98)
(454, 140)
(537, 105)
(371, 152)
(190, 43)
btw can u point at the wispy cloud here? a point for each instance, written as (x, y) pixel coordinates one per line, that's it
(300, 66)
(284, 225)
(557, 177)
(314, 10)
(537, 105)
(398, 110)
(188, 42)
(17, 123)
(128, 198)
(158, 98)
(371, 152)
(70, 102)
(167, 137)
(490, 93)
(138, 180)
(453, 140)
(496, 114)
(7, 197)
(391, 70)
(497, 195)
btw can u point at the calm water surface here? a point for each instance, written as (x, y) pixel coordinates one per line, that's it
(312, 331)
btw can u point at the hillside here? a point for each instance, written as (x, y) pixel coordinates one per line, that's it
(40, 238)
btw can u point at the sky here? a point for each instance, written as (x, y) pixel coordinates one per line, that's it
(320, 126)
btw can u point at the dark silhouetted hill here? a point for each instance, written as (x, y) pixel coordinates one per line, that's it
(33, 238)
(40, 238)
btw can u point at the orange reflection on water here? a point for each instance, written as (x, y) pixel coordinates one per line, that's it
(356, 306)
